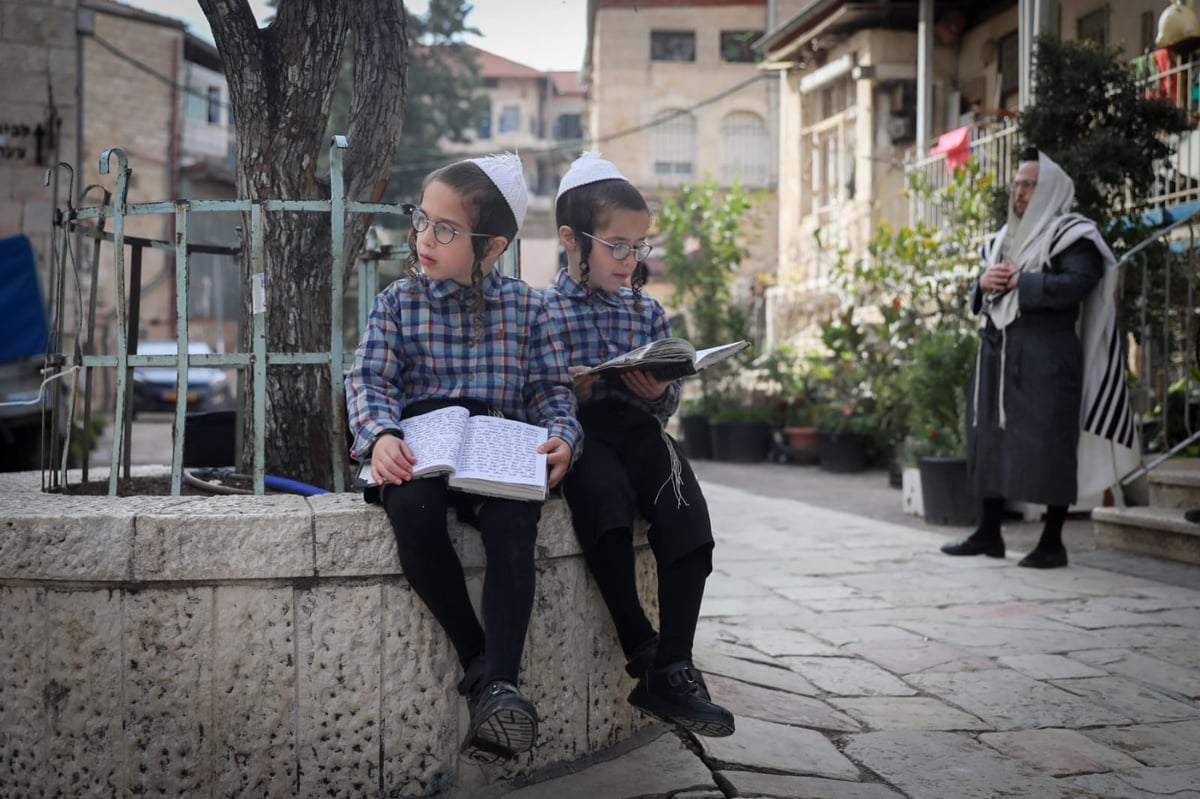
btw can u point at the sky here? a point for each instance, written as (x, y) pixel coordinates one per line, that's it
(503, 24)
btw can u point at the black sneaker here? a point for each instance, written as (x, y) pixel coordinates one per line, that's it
(503, 725)
(675, 693)
(642, 658)
(471, 685)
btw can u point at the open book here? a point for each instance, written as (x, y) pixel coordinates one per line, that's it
(482, 454)
(669, 358)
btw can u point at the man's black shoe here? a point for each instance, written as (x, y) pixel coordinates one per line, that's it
(503, 725)
(973, 546)
(1045, 559)
(676, 694)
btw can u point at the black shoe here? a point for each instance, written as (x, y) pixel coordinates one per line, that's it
(642, 658)
(471, 685)
(676, 694)
(973, 546)
(1045, 559)
(503, 725)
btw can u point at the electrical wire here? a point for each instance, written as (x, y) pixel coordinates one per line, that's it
(41, 395)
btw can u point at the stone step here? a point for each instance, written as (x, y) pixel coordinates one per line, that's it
(1176, 484)
(1151, 530)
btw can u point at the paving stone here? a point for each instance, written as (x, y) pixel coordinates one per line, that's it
(1176, 679)
(839, 636)
(664, 766)
(1137, 701)
(996, 638)
(1098, 618)
(736, 606)
(1008, 700)
(824, 590)
(722, 585)
(1173, 744)
(1176, 783)
(907, 713)
(911, 655)
(938, 765)
(1148, 636)
(751, 673)
(1059, 752)
(778, 642)
(780, 786)
(1049, 667)
(761, 703)
(763, 745)
(849, 677)
(1181, 655)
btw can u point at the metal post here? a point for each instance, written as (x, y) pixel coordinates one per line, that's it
(258, 333)
(924, 75)
(118, 207)
(181, 344)
(337, 399)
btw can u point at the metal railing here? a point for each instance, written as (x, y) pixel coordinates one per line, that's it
(93, 223)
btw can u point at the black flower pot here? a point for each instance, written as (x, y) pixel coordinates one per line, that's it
(843, 452)
(740, 442)
(697, 441)
(944, 492)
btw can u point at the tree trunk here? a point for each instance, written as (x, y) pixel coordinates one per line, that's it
(281, 81)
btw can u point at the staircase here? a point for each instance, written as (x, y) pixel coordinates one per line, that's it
(1158, 528)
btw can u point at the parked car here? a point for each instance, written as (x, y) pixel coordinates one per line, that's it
(156, 388)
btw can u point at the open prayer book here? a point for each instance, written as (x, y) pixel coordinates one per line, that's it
(669, 358)
(481, 454)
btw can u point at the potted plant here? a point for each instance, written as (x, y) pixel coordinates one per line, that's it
(936, 381)
(740, 426)
(789, 380)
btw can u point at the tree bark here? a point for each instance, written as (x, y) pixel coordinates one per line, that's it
(281, 80)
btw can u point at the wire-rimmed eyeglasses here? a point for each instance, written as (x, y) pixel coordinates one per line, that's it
(621, 250)
(1022, 185)
(444, 232)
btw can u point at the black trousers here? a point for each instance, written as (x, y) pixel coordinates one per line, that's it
(417, 511)
(625, 471)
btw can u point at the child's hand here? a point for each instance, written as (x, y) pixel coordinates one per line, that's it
(583, 383)
(391, 460)
(643, 384)
(558, 458)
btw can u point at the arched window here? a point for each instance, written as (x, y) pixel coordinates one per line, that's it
(744, 149)
(674, 147)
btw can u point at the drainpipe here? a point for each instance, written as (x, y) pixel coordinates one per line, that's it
(173, 160)
(773, 105)
(925, 75)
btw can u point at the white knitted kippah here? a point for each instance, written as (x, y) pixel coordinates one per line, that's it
(505, 171)
(589, 167)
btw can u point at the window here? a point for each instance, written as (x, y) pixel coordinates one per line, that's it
(197, 104)
(1093, 26)
(483, 129)
(491, 83)
(214, 105)
(1008, 65)
(674, 146)
(743, 149)
(568, 126)
(510, 119)
(1149, 30)
(735, 46)
(672, 45)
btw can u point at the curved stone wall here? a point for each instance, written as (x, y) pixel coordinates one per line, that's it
(268, 646)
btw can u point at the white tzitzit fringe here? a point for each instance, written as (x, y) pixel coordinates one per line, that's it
(675, 479)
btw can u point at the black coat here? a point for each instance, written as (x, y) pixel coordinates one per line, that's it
(1033, 457)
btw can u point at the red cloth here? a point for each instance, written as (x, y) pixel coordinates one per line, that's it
(1168, 85)
(956, 144)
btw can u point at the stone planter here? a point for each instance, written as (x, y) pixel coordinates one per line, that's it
(740, 442)
(843, 452)
(697, 439)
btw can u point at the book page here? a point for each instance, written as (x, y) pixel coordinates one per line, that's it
(663, 351)
(712, 355)
(502, 450)
(435, 438)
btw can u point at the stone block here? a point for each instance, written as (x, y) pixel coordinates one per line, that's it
(23, 736)
(39, 25)
(225, 538)
(50, 537)
(351, 538)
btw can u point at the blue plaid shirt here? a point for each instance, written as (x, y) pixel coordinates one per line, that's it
(420, 344)
(601, 327)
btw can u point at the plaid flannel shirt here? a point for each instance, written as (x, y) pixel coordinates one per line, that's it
(600, 327)
(420, 344)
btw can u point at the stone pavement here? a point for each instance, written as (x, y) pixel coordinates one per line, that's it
(863, 664)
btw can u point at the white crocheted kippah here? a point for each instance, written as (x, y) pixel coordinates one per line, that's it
(589, 167)
(505, 171)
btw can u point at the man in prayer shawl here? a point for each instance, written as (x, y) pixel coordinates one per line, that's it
(1048, 416)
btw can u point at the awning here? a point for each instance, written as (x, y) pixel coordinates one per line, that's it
(956, 145)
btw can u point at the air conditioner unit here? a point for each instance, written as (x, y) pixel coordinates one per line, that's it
(902, 128)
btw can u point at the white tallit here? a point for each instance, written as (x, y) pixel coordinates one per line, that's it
(1108, 443)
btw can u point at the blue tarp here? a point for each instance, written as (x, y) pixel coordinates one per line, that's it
(24, 323)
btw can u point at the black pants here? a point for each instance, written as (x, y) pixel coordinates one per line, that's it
(625, 471)
(417, 511)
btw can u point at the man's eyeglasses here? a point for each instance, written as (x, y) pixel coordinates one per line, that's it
(621, 250)
(444, 232)
(1023, 185)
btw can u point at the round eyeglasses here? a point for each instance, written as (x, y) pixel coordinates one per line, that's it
(1023, 185)
(621, 250)
(444, 232)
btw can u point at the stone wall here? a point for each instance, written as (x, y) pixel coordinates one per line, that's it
(266, 646)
